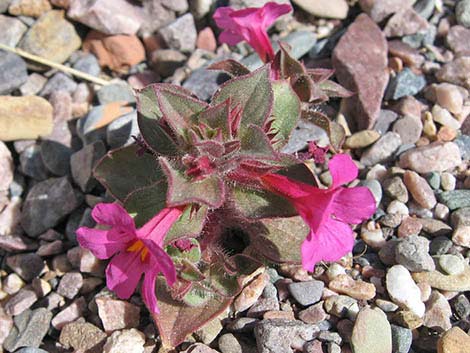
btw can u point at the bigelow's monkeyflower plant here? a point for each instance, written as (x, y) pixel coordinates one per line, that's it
(206, 196)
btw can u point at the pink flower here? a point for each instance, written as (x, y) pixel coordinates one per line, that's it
(134, 251)
(328, 212)
(251, 25)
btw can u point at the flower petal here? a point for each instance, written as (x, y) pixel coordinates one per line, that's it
(161, 260)
(230, 37)
(159, 225)
(353, 205)
(102, 243)
(123, 273)
(223, 19)
(285, 186)
(332, 241)
(342, 170)
(148, 290)
(271, 11)
(112, 214)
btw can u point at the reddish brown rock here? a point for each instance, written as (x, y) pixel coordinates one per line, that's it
(456, 72)
(360, 61)
(409, 55)
(206, 40)
(117, 314)
(118, 52)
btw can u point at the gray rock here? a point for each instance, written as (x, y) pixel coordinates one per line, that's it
(401, 339)
(382, 149)
(433, 179)
(461, 306)
(378, 10)
(229, 343)
(115, 92)
(31, 350)
(31, 163)
(462, 13)
(304, 132)
(12, 30)
(27, 266)
(89, 64)
(166, 61)
(461, 217)
(306, 293)
(395, 188)
(425, 8)
(463, 142)
(70, 285)
(78, 218)
(121, 131)
(157, 15)
(86, 126)
(47, 203)
(375, 188)
(33, 85)
(435, 157)
(409, 128)
(4, 4)
(203, 83)
(405, 83)
(59, 82)
(83, 162)
(341, 306)
(56, 157)
(242, 324)
(422, 38)
(413, 253)
(440, 245)
(29, 330)
(12, 72)
(385, 119)
(451, 264)
(180, 34)
(455, 199)
(282, 336)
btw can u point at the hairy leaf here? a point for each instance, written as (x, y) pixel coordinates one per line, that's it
(177, 319)
(286, 112)
(279, 239)
(260, 204)
(146, 202)
(177, 109)
(122, 171)
(217, 116)
(209, 191)
(189, 225)
(290, 67)
(156, 137)
(255, 144)
(333, 89)
(335, 131)
(231, 67)
(253, 93)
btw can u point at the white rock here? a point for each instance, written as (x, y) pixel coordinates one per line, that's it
(324, 8)
(398, 207)
(126, 341)
(403, 290)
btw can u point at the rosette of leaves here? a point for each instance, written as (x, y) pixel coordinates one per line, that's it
(206, 157)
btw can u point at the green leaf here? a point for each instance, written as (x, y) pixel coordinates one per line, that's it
(290, 67)
(177, 319)
(279, 239)
(261, 204)
(253, 92)
(286, 112)
(189, 225)
(177, 109)
(156, 137)
(255, 144)
(197, 296)
(209, 191)
(231, 67)
(122, 171)
(189, 271)
(333, 89)
(146, 202)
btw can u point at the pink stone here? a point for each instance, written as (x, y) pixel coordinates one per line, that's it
(107, 16)
(419, 189)
(409, 55)
(380, 9)
(405, 22)
(360, 61)
(69, 314)
(435, 157)
(206, 40)
(458, 39)
(117, 314)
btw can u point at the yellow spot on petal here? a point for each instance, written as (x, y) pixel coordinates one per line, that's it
(139, 246)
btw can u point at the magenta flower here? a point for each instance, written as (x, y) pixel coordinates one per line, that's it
(250, 24)
(134, 252)
(328, 212)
